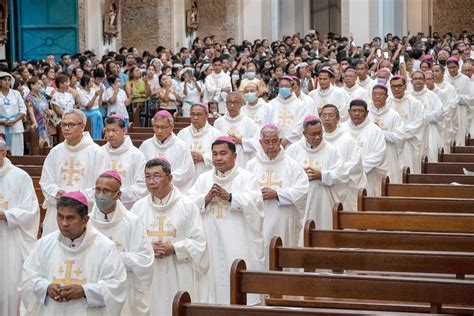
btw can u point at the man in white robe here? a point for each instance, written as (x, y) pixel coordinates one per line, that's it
(412, 113)
(12, 112)
(256, 108)
(199, 136)
(72, 165)
(307, 101)
(322, 163)
(363, 78)
(288, 112)
(350, 153)
(218, 85)
(326, 93)
(165, 143)
(392, 125)
(19, 222)
(175, 230)
(432, 139)
(450, 99)
(231, 205)
(110, 217)
(240, 128)
(75, 270)
(284, 187)
(370, 138)
(122, 156)
(462, 84)
(353, 89)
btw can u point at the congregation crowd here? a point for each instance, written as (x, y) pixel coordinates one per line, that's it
(297, 125)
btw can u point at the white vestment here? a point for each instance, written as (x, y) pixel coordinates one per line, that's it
(412, 113)
(213, 89)
(288, 114)
(308, 104)
(357, 92)
(200, 141)
(177, 221)
(177, 152)
(95, 264)
(284, 215)
(332, 95)
(322, 193)
(449, 99)
(18, 232)
(370, 138)
(353, 166)
(260, 113)
(69, 168)
(126, 230)
(129, 162)
(234, 229)
(245, 128)
(11, 106)
(463, 87)
(433, 107)
(392, 126)
(368, 84)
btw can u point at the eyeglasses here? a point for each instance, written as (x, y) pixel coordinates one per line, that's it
(69, 125)
(155, 177)
(105, 192)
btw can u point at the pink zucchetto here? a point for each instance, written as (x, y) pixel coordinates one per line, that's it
(310, 118)
(164, 159)
(226, 139)
(202, 105)
(117, 116)
(289, 78)
(78, 196)
(163, 113)
(114, 174)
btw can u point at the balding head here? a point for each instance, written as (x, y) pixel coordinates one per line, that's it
(466, 69)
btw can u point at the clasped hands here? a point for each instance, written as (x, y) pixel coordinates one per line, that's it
(64, 293)
(312, 173)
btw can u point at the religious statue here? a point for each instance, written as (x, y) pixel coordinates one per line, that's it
(192, 17)
(111, 15)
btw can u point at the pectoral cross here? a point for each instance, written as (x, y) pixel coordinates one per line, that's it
(196, 147)
(68, 280)
(160, 233)
(268, 180)
(233, 132)
(117, 166)
(70, 173)
(218, 208)
(3, 203)
(284, 118)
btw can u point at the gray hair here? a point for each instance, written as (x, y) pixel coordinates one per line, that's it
(78, 113)
(3, 144)
(161, 117)
(270, 130)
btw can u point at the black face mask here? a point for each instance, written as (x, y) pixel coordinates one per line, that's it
(442, 62)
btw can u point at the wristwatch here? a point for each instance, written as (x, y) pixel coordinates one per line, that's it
(230, 197)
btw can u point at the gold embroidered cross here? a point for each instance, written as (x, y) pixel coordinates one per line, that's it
(160, 233)
(117, 166)
(268, 180)
(68, 280)
(284, 119)
(3, 203)
(196, 147)
(69, 171)
(310, 163)
(218, 207)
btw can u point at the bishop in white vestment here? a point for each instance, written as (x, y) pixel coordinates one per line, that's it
(353, 89)
(19, 222)
(75, 270)
(231, 205)
(363, 78)
(110, 217)
(165, 143)
(175, 230)
(74, 164)
(322, 163)
(256, 108)
(284, 187)
(218, 85)
(350, 153)
(240, 128)
(122, 156)
(412, 113)
(370, 138)
(199, 136)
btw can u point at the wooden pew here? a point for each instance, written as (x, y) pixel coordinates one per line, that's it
(31, 160)
(442, 157)
(389, 240)
(426, 190)
(403, 221)
(469, 141)
(445, 167)
(182, 306)
(407, 177)
(411, 294)
(413, 204)
(468, 149)
(374, 260)
(31, 169)
(102, 142)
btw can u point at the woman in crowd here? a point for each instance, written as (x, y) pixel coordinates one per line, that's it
(191, 91)
(89, 101)
(138, 91)
(168, 95)
(116, 98)
(62, 100)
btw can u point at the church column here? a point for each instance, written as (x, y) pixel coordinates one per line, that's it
(93, 27)
(178, 36)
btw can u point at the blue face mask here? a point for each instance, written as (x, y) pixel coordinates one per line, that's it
(285, 92)
(251, 75)
(380, 80)
(235, 77)
(250, 97)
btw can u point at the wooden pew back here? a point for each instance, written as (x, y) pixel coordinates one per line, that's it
(456, 157)
(426, 190)
(407, 177)
(445, 167)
